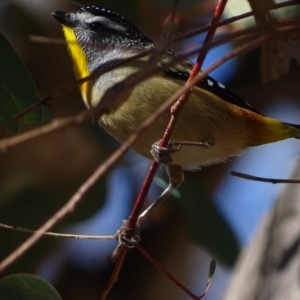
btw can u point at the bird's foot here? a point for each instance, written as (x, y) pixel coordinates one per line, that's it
(163, 154)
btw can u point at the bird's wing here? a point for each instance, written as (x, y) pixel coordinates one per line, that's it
(213, 86)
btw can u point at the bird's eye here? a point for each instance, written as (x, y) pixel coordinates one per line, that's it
(95, 26)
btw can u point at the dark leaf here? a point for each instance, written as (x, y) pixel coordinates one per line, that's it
(17, 88)
(27, 287)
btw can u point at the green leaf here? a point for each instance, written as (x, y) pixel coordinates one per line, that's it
(27, 287)
(17, 88)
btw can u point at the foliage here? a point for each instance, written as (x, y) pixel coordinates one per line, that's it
(17, 88)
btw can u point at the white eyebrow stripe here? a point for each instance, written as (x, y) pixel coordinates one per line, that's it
(107, 22)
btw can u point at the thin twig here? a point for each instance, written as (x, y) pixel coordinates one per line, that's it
(115, 274)
(208, 39)
(46, 40)
(163, 270)
(211, 273)
(231, 20)
(263, 179)
(57, 234)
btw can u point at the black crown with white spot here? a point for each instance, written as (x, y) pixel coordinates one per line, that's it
(131, 30)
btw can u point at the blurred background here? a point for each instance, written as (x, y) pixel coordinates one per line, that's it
(214, 215)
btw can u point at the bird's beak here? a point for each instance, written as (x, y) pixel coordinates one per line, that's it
(63, 18)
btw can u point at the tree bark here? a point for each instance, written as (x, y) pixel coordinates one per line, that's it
(269, 268)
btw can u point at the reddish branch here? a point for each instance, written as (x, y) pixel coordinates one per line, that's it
(161, 269)
(114, 276)
(175, 110)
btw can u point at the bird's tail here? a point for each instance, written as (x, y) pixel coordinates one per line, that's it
(269, 130)
(294, 128)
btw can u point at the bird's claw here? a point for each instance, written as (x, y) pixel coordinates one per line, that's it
(163, 154)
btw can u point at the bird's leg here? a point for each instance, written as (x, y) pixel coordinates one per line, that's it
(175, 172)
(176, 177)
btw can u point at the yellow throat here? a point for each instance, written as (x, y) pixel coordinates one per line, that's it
(79, 58)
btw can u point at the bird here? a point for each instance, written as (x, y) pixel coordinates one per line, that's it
(215, 124)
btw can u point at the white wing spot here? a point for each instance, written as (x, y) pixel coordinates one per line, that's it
(210, 83)
(221, 85)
